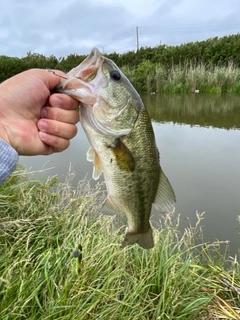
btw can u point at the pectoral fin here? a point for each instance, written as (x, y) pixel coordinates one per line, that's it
(123, 155)
(92, 156)
(165, 198)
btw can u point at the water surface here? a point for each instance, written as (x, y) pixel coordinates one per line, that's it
(198, 136)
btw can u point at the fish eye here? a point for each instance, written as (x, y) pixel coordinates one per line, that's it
(115, 75)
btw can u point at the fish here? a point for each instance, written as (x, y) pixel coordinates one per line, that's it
(122, 145)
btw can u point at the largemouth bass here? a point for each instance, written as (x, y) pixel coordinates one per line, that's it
(123, 145)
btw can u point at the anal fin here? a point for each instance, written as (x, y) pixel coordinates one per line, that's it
(165, 198)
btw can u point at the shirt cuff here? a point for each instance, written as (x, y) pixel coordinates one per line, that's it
(8, 160)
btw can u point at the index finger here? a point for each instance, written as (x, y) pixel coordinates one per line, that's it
(50, 79)
(61, 100)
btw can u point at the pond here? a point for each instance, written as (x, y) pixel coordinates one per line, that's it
(198, 136)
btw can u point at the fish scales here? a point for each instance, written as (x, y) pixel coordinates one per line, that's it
(132, 191)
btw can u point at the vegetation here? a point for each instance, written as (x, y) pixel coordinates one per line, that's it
(42, 222)
(149, 77)
(212, 65)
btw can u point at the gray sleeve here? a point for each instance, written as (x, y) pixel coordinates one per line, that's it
(8, 160)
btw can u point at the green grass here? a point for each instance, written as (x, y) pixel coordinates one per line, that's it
(42, 222)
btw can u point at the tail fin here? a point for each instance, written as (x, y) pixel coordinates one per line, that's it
(145, 240)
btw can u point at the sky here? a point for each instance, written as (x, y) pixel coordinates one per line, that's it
(61, 28)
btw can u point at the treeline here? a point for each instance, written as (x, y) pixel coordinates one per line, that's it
(162, 68)
(212, 52)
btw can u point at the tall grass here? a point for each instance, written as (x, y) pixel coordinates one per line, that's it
(43, 222)
(149, 77)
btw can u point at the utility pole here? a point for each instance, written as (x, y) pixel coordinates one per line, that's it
(137, 38)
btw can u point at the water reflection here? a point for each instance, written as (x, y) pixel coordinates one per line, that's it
(198, 137)
(216, 110)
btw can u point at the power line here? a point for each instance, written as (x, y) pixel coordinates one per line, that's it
(184, 29)
(128, 31)
(187, 28)
(121, 49)
(205, 24)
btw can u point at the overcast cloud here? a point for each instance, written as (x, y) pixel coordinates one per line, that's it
(75, 26)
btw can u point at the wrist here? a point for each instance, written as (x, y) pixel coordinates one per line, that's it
(4, 136)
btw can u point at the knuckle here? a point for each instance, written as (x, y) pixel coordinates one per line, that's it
(74, 131)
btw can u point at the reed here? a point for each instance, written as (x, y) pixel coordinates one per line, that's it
(184, 78)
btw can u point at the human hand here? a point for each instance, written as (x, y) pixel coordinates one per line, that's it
(32, 120)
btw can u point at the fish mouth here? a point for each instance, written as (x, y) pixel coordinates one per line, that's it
(87, 69)
(79, 83)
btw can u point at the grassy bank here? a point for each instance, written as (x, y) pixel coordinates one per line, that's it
(149, 77)
(41, 224)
